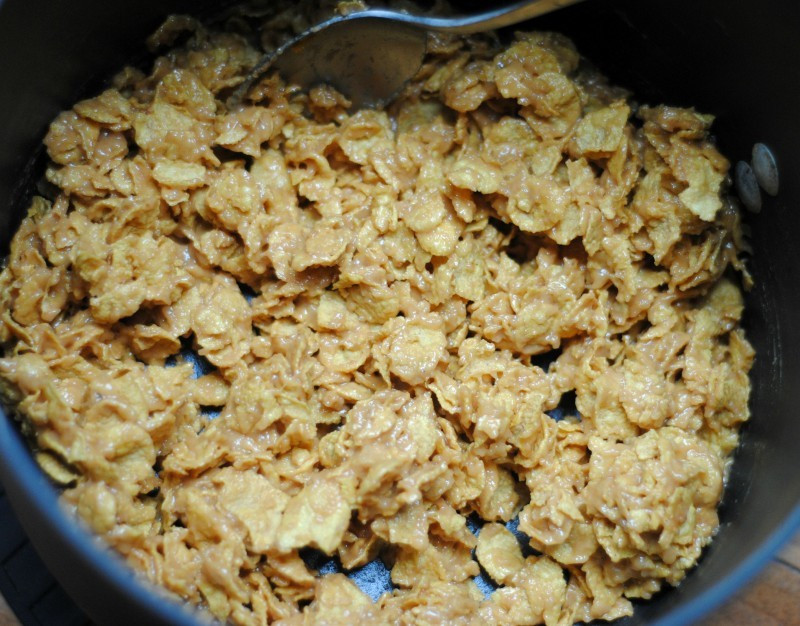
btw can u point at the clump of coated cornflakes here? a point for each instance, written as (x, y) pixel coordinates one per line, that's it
(375, 294)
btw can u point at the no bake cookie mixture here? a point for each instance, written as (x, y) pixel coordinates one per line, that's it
(508, 297)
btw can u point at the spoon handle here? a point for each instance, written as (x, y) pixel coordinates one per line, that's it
(486, 20)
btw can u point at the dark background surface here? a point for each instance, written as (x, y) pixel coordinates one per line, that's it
(733, 59)
(26, 584)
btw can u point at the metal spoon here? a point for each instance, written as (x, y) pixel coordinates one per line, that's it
(369, 55)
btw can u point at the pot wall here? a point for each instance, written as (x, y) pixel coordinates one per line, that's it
(714, 54)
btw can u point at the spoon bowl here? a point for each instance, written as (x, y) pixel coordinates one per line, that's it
(368, 58)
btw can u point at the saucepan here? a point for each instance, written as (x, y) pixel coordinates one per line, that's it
(720, 56)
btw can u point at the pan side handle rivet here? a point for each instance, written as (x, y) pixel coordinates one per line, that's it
(747, 187)
(765, 168)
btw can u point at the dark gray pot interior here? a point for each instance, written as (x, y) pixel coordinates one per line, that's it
(727, 58)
